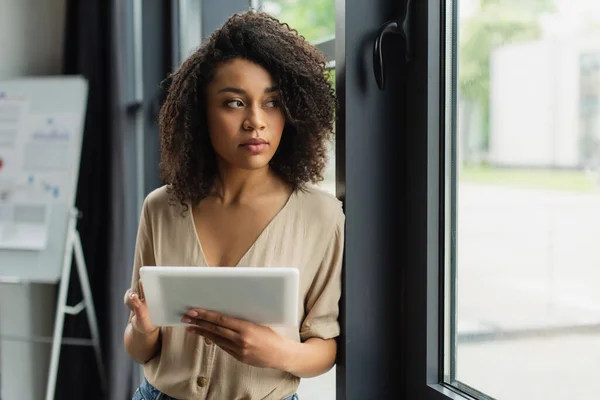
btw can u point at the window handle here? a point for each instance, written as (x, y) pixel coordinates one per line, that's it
(401, 27)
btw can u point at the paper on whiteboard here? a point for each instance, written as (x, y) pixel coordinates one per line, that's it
(37, 154)
(24, 225)
(49, 147)
(13, 111)
(42, 160)
(49, 155)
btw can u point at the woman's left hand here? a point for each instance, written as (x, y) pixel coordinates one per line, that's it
(249, 343)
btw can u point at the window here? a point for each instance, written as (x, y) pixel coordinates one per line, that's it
(313, 19)
(190, 29)
(523, 198)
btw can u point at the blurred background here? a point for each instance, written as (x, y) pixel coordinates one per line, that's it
(522, 193)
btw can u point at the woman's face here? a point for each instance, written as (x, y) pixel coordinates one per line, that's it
(245, 121)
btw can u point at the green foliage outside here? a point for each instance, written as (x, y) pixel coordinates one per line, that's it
(313, 19)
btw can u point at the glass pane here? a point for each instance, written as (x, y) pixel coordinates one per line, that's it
(315, 20)
(526, 199)
(329, 175)
(189, 27)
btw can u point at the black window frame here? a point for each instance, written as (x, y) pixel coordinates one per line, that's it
(426, 102)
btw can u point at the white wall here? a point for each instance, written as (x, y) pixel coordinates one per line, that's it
(318, 388)
(31, 37)
(534, 102)
(31, 43)
(521, 96)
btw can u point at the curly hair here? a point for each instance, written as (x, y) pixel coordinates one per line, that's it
(188, 161)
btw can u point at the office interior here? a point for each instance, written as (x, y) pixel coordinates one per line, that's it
(467, 158)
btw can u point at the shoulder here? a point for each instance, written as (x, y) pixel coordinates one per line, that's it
(159, 204)
(158, 198)
(316, 204)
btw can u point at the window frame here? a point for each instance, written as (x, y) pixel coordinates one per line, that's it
(426, 265)
(327, 47)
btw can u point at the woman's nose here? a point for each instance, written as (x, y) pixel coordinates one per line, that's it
(255, 120)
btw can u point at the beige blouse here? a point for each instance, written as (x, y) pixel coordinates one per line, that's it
(308, 234)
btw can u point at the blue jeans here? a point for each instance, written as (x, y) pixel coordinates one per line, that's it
(148, 392)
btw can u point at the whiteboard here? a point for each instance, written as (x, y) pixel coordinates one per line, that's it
(41, 131)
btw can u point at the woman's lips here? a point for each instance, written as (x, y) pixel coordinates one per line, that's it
(255, 146)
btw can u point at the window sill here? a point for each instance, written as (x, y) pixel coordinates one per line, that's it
(439, 391)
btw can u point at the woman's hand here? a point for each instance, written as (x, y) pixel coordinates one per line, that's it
(249, 343)
(140, 321)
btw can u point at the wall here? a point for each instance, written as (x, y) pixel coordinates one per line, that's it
(534, 102)
(521, 95)
(31, 37)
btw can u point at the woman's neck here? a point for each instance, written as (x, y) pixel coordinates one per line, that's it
(236, 186)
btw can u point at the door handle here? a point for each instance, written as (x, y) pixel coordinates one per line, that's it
(398, 27)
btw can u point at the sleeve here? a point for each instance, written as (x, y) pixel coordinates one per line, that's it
(144, 249)
(322, 299)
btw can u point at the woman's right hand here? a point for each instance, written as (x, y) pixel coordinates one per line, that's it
(140, 321)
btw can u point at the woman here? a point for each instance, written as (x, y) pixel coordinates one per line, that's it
(244, 135)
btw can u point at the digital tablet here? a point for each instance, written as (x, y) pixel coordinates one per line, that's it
(264, 296)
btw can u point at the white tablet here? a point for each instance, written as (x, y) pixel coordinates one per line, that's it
(265, 296)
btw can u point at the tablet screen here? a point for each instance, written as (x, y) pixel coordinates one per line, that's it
(265, 296)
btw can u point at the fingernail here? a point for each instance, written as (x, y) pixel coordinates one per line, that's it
(186, 320)
(192, 313)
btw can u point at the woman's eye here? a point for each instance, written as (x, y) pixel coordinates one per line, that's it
(235, 103)
(272, 103)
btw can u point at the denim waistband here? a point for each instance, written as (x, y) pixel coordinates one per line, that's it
(148, 392)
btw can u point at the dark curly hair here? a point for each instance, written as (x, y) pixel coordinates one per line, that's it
(188, 161)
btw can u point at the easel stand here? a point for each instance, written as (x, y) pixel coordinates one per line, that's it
(73, 246)
(27, 308)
